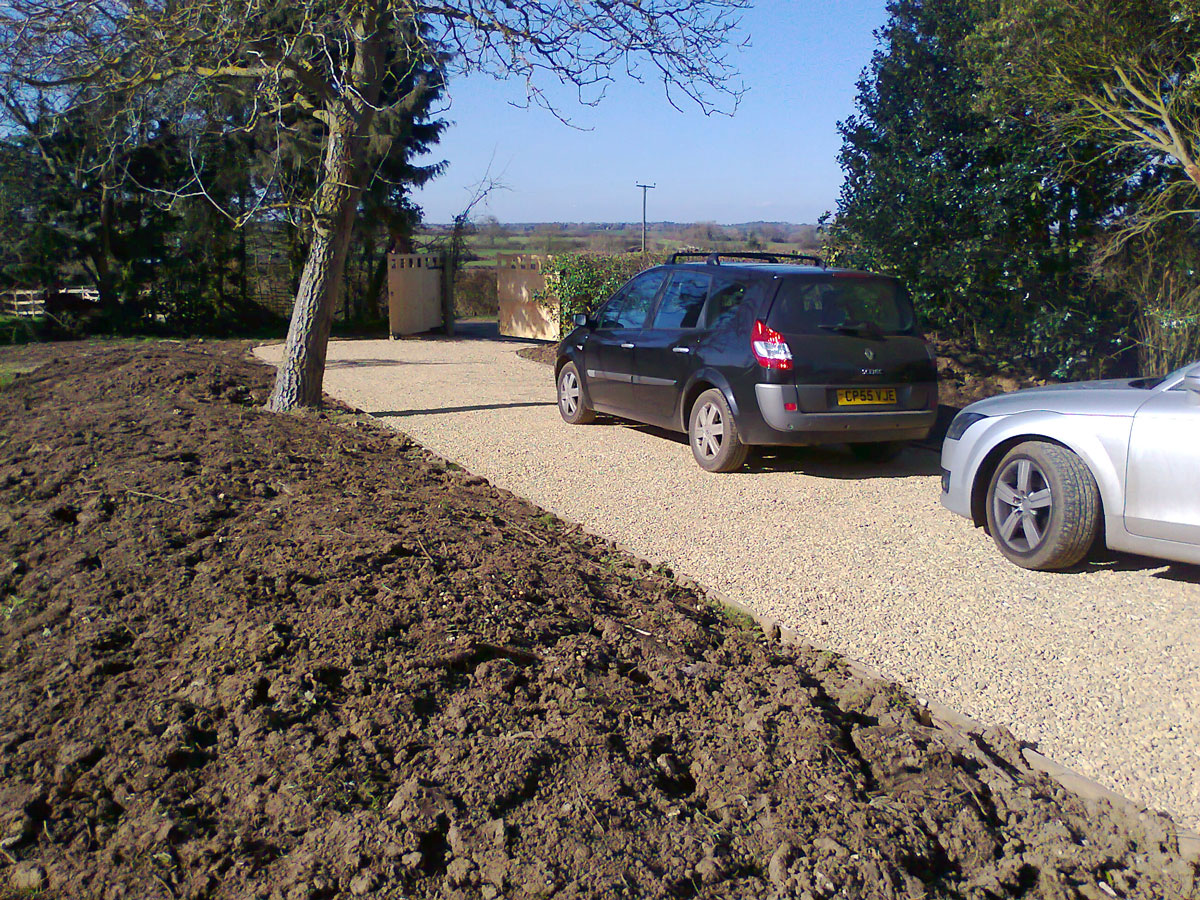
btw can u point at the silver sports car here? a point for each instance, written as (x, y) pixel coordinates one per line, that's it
(1045, 469)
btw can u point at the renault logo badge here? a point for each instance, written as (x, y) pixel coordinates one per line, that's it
(869, 354)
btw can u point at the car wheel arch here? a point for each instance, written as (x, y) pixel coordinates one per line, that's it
(700, 382)
(1103, 475)
(562, 361)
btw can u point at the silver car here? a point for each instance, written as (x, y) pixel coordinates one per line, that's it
(1045, 469)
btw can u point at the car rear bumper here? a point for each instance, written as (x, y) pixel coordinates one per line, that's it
(793, 426)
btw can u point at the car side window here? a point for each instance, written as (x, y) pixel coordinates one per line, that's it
(724, 303)
(682, 301)
(609, 315)
(639, 297)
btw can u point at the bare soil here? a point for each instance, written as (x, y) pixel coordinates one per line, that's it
(254, 655)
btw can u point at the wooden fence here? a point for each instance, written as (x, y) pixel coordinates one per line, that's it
(31, 302)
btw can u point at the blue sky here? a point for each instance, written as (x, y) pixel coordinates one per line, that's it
(774, 160)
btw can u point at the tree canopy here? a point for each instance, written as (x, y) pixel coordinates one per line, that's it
(1119, 75)
(346, 68)
(977, 214)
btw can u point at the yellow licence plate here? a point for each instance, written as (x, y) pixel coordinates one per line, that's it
(866, 396)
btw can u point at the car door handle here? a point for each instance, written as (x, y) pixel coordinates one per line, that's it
(627, 346)
(681, 349)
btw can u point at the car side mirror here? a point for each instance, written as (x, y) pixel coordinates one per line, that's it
(1191, 380)
(581, 321)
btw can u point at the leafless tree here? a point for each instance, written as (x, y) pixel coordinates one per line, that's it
(343, 65)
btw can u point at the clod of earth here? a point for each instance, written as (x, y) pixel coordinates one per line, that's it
(294, 656)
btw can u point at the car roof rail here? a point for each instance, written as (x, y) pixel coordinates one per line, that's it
(713, 258)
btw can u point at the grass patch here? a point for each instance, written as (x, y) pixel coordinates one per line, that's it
(743, 622)
(10, 370)
(11, 606)
(20, 329)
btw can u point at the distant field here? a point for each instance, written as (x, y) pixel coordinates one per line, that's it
(490, 239)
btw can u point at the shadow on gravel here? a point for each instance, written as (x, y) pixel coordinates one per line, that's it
(379, 363)
(1180, 572)
(480, 330)
(403, 413)
(833, 461)
(1105, 560)
(837, 462)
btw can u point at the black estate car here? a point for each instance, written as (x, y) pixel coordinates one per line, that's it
(754, 351)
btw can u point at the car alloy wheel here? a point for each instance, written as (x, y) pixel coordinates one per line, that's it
(1043, 506)
(1021, 503)
(569, 393)
(572, 401)
(713, 434)
(710, 431)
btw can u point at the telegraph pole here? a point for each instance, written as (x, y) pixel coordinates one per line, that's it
(644, 187)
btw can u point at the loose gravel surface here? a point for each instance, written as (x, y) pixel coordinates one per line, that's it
(1099, 668)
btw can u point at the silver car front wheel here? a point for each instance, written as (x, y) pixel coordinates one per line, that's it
(1043, 507)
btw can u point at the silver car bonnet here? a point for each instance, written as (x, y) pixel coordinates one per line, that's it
(1115, 397)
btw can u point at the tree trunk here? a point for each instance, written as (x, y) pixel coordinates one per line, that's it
(300, 376)
(348, 118)
(375, 288)
(102, 259)
(243, 276)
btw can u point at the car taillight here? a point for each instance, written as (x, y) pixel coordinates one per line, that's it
(770, 349)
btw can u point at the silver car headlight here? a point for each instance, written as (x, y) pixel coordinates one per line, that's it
(961, 423)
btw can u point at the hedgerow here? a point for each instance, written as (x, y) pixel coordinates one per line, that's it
(579, 282)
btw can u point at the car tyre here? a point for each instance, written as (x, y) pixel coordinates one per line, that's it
(1043, 506)
(877, 451)
(572, 397)
(713, 434)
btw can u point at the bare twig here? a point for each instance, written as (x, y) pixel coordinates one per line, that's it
(154, 496)
(421, 543)
(586, 805)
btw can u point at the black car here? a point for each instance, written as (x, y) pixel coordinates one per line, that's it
(754, 351)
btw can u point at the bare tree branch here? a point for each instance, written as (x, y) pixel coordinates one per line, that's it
(328, 71)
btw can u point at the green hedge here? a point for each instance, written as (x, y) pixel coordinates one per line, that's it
(20, 330)
(579, 282)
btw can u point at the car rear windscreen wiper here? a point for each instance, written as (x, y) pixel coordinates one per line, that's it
(855, 328)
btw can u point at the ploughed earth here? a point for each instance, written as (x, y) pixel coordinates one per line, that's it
(295, 656)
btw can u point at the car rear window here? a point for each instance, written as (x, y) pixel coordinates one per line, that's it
(726, 298)
(809, 305)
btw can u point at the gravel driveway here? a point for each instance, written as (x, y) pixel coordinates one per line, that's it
(1101, 668)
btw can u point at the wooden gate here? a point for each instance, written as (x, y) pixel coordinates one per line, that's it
(414, 293)
(518, 278)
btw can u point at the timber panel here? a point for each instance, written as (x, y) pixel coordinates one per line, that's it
(518, 278)
(414, 293)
